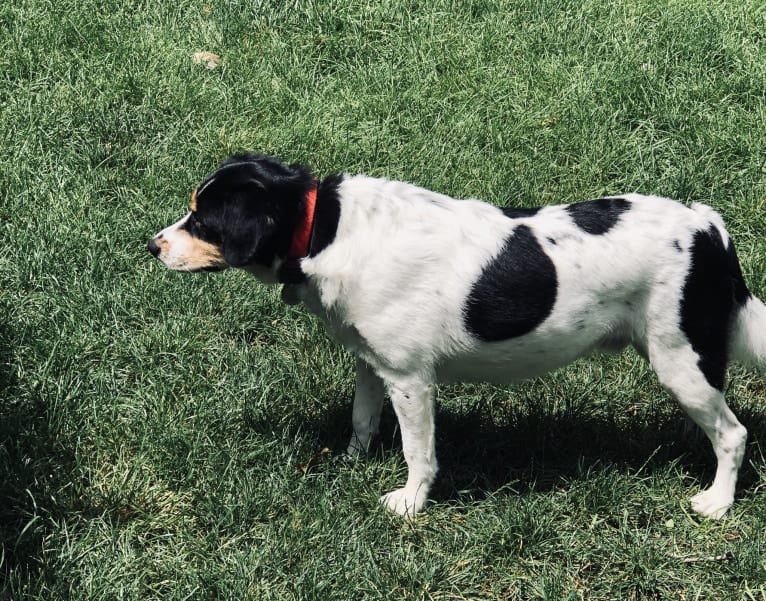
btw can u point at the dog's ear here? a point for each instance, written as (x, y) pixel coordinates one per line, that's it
(248, 227)
(244, 240)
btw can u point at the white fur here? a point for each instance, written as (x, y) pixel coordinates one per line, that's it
(178, 245)
(393, 284)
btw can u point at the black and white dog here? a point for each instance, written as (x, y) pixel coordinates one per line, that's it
(424, 289)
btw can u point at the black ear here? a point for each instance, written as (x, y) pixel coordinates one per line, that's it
(242, 241)
(248, 236)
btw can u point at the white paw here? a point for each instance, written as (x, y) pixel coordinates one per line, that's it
(711, 504)
(404, 501)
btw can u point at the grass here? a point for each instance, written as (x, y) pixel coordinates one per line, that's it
(151, 423)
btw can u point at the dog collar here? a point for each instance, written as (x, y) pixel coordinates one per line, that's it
(300, 246)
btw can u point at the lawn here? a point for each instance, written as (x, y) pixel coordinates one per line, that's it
(162, 435)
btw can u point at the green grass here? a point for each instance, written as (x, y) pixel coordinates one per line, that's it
(151, 423)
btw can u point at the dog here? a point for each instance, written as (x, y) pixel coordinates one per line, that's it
(424, 289)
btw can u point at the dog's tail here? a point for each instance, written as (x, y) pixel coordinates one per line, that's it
(748, 332)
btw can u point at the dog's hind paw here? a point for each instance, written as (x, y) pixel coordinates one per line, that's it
(710, 504)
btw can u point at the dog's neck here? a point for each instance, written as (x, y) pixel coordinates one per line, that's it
(300, 245)
(316, 228)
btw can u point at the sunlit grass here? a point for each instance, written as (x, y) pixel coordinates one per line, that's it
(155, 427)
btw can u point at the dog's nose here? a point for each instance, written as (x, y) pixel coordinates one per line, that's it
(153, 247)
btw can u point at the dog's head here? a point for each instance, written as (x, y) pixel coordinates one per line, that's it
(243, 215)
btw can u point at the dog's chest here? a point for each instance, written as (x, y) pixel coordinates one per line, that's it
(336, 324)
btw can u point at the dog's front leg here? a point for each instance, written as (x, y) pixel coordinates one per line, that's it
(368, 402)
(413, 402)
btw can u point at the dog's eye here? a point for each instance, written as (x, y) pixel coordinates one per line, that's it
(195, 226)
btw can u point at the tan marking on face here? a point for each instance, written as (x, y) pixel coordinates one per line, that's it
(194, 200)
(181, 251)
(198, 254)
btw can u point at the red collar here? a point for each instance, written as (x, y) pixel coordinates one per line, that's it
(299, 247)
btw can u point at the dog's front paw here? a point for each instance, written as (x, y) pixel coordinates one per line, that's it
(404, 501)
(710, 504)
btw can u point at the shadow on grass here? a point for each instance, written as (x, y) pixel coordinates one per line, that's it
(540, 449)
(33, 470)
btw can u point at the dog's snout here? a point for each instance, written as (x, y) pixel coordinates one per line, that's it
(153, 247)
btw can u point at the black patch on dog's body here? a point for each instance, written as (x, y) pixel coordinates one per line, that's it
(714, 290)
(516, 291)
(515, 213)
(598, 216)
(326, 214)
(326, 217)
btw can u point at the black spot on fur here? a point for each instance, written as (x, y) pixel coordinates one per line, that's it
(516, 291)
(514, 213)
(741, 293)
(713, 291)
(598, 216)
(326, 214)
(552, 241)
(677, 246)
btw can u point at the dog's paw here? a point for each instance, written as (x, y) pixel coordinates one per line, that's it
(404, 502)
(710, 504)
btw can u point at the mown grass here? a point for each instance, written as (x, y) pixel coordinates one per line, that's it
(151, 423)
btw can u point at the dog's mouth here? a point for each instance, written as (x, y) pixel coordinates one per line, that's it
(208, 269)
(196, 268)
(187, 266)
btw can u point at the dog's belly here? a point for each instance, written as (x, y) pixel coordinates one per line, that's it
(512, 367)
(526, 357)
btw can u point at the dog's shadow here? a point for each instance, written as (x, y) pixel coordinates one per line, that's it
(539, 448)
(544, 451)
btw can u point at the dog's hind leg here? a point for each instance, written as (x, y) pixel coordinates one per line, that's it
(679, 371)
(413, 401)
(690, 348)
(368, 402)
